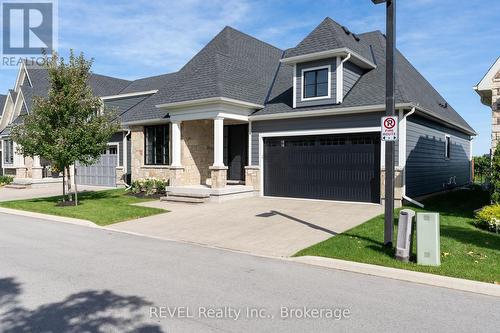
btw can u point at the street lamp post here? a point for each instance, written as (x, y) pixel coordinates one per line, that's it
(390, 109)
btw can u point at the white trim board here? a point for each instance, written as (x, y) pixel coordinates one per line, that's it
(134, 94)
(356, 58)
(302, 83)
(304, 133)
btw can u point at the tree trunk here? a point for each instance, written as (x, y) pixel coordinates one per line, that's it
(64, 185)
(69, 184)
(76, 190)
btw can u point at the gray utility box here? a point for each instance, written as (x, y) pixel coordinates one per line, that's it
(428, 239)
(403, 244)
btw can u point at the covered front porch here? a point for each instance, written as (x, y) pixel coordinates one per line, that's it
(208, 153)
(210, 145)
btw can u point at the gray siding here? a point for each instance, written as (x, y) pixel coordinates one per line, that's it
(427, 169)
(352, 73)
(332, 62)
(123, 104)
(310, 123)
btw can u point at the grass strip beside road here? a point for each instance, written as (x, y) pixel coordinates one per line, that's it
(101, 207)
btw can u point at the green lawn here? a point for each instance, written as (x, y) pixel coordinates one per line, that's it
(466, 252)
(102, 207)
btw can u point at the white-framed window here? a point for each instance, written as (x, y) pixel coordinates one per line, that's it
(8, 153)
(447, 147)
(316, 83)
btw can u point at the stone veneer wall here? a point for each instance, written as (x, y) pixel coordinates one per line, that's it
(138, 169)
(197, 151)
(398, 187)
(495, 101)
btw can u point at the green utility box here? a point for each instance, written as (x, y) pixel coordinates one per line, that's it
(428, 239)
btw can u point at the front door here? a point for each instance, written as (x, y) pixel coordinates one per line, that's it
(236, 149)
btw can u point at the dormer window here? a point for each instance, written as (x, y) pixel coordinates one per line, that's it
(316, 83)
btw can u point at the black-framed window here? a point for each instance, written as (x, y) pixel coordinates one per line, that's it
(447, 147)
(8, 157)
(156, 145)
(315, 83)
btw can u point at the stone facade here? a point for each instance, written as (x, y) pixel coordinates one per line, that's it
(398, 187)
(197, 151)
(138, 169)
(218, 177)
(495, 107)
(121, 177)
(252, 177)
(196, 155)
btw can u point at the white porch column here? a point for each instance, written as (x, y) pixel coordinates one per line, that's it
(36, 170)
(219, 142)
(36, 162)
(176, 144)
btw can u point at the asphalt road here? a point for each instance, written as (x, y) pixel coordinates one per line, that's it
(56, 277)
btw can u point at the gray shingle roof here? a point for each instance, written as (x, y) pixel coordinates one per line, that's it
(232, 65)
(3, 98)
(102, 85)
(411, 87)
(147, 83)
(329, 35)
(147, 110)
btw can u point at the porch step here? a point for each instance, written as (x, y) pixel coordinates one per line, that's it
(186, 197)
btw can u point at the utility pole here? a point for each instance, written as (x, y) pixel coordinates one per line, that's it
(390, 109)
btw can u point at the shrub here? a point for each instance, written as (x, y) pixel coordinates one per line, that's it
(148, 186)
(488, 218)
(136, 187)
(6, 180)
(160, 186)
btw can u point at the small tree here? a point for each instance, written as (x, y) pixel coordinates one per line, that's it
(70, 124)
(495, 175)
(482, 166)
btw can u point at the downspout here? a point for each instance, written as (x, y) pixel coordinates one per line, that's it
(340, 78)
(125, 157)
(405, 197)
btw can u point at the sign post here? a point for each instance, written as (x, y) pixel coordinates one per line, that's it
(390, 110)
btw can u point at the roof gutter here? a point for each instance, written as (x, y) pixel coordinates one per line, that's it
(343, 51)
(134, 94)
(326, 112)
(430, 115)
(146, 122)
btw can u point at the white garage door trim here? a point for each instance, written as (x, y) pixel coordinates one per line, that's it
(304, 133)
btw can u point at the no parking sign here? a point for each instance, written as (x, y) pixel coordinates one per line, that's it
(389, 128)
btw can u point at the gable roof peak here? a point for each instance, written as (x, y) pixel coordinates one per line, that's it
(330, 35)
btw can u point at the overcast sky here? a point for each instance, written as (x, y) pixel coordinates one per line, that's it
(451, 42)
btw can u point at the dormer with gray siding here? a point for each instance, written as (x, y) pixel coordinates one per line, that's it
(324, 81)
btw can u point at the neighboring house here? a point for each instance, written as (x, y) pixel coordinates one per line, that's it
(301, 123)
(489, 90)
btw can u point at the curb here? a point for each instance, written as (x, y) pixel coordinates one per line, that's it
(477, 287)
(56, 218)
(344, 265)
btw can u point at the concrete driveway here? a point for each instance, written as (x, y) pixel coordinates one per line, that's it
(49, 190)
(264, 226)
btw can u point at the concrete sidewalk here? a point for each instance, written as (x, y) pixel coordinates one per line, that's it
(262, 226)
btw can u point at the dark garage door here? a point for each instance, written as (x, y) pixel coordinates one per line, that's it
(332, 167)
